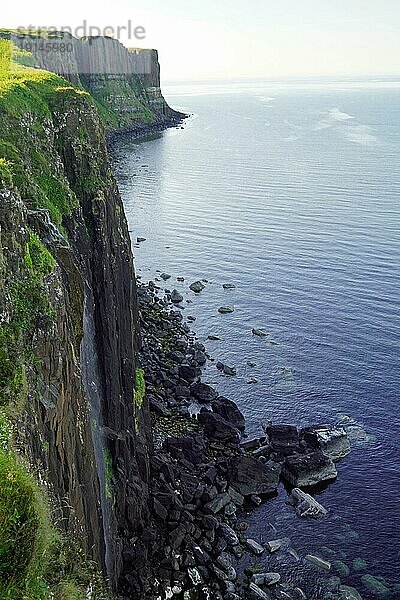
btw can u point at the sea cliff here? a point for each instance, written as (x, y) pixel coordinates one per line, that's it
(71, 409)
(109, 486)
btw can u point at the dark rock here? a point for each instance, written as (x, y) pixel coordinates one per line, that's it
(158, 407)
(176, 297)
(218, 503)
(306, 470)
(192, 449)
(254, 546)
(258, 593)
(188, 373)
(228, 534)
(214, 338)
(224, 310)
(258, 332)
(140, 239)
(165, 276)
(237, 498)
(333, 441)
(229, 411)
(218, 429)
(319, 562)
(225, 564)
(228, 286)
(284, 439)
(305, 505)
(177, 536)
(249, 476)
(197, 287)
(251, 444)
(203, 392)
(159, 509)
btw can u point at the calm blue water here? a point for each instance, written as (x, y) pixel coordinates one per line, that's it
(291, 191)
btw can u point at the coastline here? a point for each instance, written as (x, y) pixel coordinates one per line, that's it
(142, 130)
(207, 477)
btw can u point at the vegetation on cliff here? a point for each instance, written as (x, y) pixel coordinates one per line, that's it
(36, 560)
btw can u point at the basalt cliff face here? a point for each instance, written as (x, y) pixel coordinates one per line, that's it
(125, 83)
(71, 397)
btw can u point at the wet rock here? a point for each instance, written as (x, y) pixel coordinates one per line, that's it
(258, 332)
(229, 411)
(204, 392)
(226, 369)
(228, 286)
(284, 439)
(275, 545)
(318, 562)
(158, 407)
(375, 586)
(165, 276)
(341, 568)
(200, 357)
(237, 498)
(266, 578)
(225, 564)
(195, 576)
(218, 429)
(305, 505)
(251, 444)
(257, 592)
(140, 239)
(308, 469)
(359, 564)
(256, 500)
(214, 338)
(188, 373)
(218, 503)
(224, 310)
(349, 593)
(254, 546)
(333, 441)
(249, 476)
(228, 534)
(176, 297)
(197, 287)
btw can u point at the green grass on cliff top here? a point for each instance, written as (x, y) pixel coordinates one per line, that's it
(27, 157)
(24, 88)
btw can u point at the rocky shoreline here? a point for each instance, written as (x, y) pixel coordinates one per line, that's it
(206, 475)
(141, 130)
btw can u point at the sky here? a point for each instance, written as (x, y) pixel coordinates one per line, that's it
(225, 39)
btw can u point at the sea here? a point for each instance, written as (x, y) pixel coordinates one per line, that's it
(290, 191)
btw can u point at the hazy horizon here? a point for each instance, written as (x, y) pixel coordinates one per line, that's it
(229, 40)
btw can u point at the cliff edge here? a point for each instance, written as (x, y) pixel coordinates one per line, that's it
(72, 411)
(125, 83)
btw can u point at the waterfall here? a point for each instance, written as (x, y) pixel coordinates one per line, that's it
(94, 391)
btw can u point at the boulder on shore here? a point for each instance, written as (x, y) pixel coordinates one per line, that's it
(229, 411)
(216, 428)
(224, 310)
(248, 476)
(305, 470)
(197, 287)
(176, 297)
(333, 441)
(305, 505)
(284, 439)
(203, 392)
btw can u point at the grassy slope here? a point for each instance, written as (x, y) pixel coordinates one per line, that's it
(36, 563)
